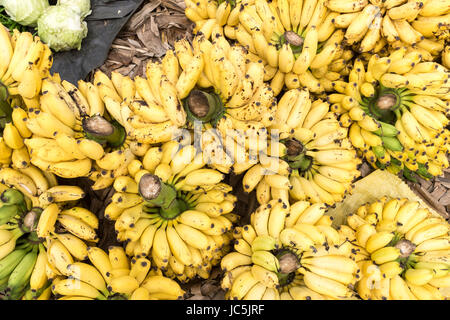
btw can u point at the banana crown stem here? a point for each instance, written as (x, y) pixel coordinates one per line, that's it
(295, 155)
(157, 193)
(17, 233)
(406, 248)
(293, 147)
(30, 221)
(203, 106)
(386, 103)
(288, 262)
(101, 130)
(293, 39)
(288, 265)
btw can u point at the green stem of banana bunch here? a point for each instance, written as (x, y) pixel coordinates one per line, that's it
(204, 107)
(294, 40)
(157, 193)
(104, 132)
(406, 248)
(289, 264)
(296, 157)
(385, 104)
(31, 219)
(17, 233)
(34, 239)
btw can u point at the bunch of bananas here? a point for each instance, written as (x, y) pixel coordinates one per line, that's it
(137, 281)
(424, 24)
(289, 253)
(70, 130)
(290, 37)
(23, 255)
(112, 276)
(297, 42)
(18, 249)
(210, 87)
(209, 14)
(32, 252)
(397, 108)
(149, 111)
(174, 211)
(404, 251)
(24, 61)
(310, 155)
(12, 148)
(235, 108)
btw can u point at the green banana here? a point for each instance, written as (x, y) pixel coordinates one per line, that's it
(423, 172)
(7, 212)
(13, 196)
(386, 130)
(19, 278)
(4, 283)
(9, 263)
(265, 243)
(408, 174)
(379, 151)
(392, 143)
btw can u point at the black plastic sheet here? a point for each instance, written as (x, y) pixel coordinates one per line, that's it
(106, 20)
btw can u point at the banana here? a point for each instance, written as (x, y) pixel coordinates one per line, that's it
(159, 284)
(124, 284)
(74, 287)
(292, 236)
(399, 289)
(38, 278)
(59, 256)
(178, 247)
(195, 219)
(88, 274)
(406, 32)
(390, 269)
(325, 286)
(47, 220)
(242, 285)
(429, 232)
(78, 227)
(9, 262)
(276, 221)
(100, 260)
(203, 177)
(20, 276)
(140, 268)
(385, 254)
(304, 293)
(378, 240)
(433, 244)
(76, 247)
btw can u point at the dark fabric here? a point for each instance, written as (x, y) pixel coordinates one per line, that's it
(106, 20)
